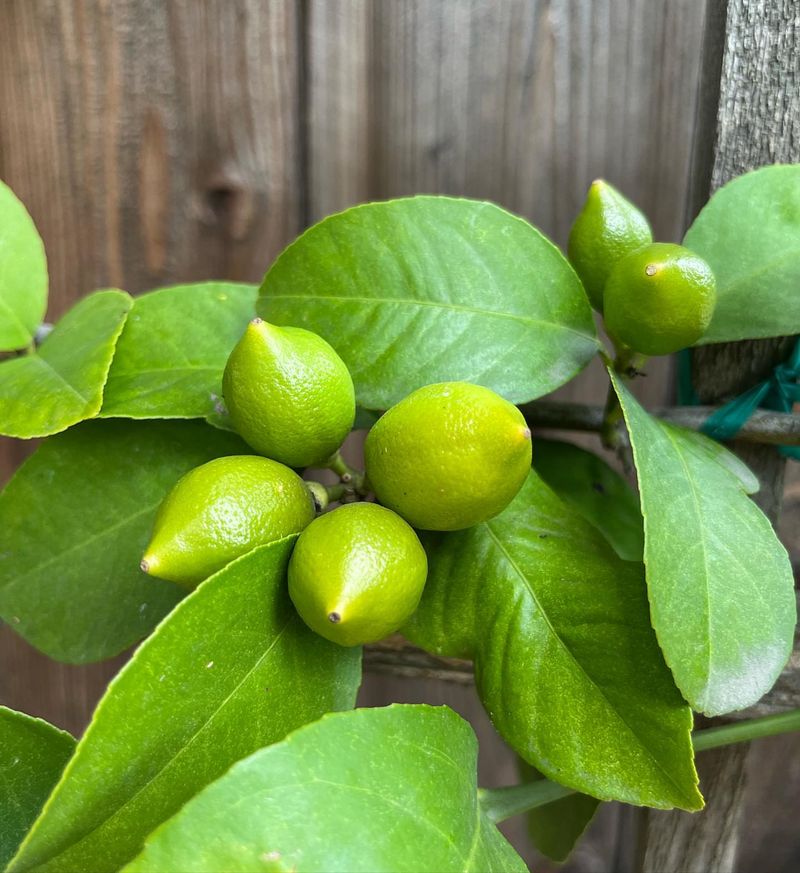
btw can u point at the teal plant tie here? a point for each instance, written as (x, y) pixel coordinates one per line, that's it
(780, 392)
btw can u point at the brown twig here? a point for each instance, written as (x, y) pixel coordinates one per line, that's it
(774, 428)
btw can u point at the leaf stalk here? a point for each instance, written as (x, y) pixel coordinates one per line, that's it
(500, 804)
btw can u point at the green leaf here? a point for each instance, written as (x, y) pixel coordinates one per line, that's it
(433, 289)
(62, 382)
(369, 791)
(750, 235)
(232, 669)
(555, 828)
(23, 274)
(173, 350)
(32, 755)
(365, 418)
(720, 583)
(74, 522)
(566, 663)
(598, 493)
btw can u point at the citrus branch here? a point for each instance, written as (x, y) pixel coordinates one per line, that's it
(772, 428)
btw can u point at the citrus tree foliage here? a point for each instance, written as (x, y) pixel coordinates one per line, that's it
(598, 616)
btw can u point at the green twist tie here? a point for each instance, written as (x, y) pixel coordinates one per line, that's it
(780, 392)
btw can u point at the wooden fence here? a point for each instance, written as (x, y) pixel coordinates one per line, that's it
(158, 141)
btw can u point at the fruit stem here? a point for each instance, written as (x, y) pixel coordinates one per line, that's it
(337, 492)
(612, 415)
(352, 478)
(627, 364)
(500, 804)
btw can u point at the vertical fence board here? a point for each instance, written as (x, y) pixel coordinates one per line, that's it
(522, 102)
(519, 102)
(757, 123)
(153, 143)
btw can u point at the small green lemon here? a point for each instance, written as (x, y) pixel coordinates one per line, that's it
(608, 228)
(222, 510)
(289, 395)
(448, 456)
(659, 299)
(357, 573)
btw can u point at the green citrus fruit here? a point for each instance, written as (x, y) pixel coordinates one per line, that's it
(289, 394)
(660, 299)
(222, 510)
(608, 228)
(448, 456)
(357, 573)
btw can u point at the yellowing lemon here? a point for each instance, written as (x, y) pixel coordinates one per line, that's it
(222, 510)
(357, 573)
(448, 456)
(608, 228)
(659, 299)
(289, 395)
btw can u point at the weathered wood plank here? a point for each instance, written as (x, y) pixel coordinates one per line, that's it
(519, 102)
(338, 96)
(153, 143)
(523, 102)
(757, 123)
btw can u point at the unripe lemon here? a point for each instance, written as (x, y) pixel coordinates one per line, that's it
(289, 395)
(357, 573)
(608, 228)
(660, 299)
(448, 456)
(222, 510)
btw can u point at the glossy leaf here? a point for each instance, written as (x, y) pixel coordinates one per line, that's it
(750, 234)
(432, 289)
(720, 583)
(368, 791)
(566, 663)
(173, 350)
(603, 497)
(555, 828)
(62, 382)
(32, 755)
(74, 522)
(232, 669)
(23, 274)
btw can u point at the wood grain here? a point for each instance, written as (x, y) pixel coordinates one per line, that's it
(161, 142)
(519, 102)
(522, 102)
(153, 143)
(758, 87)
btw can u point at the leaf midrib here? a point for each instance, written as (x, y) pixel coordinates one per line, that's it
(580, 667)
(115, 374)
(7, 306)
(435, 304)
(80, 545)
(429, 825)
(167, 764)
(704, 549)
(792, 255)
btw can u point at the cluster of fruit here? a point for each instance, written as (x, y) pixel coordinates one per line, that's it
(446, 457)
(655, 298)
